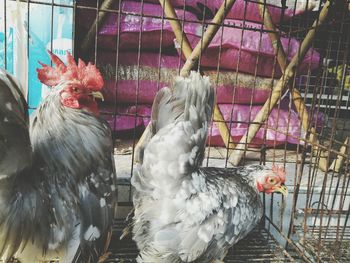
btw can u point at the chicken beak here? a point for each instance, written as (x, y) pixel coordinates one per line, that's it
(281, 189)
(97, 95)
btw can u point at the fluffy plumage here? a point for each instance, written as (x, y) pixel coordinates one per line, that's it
(76, 147)
(14, 137)
(59, 198)
(184, 213)
(24, 213)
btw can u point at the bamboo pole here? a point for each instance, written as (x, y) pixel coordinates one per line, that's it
(192, 56)
(90, 37)
(296, 96)
(338, 162)
(275, 38)
(281, 85)
(180, 36)
(207, 36)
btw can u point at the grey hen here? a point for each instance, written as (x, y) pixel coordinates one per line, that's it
(185, 213)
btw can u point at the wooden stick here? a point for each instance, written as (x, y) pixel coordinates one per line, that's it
(207, 36)
(296, 96)
(190, 54)
(180, 35)
(338, 162)
(281, 85)
(90, 37)
(274, 37)
(192, 58)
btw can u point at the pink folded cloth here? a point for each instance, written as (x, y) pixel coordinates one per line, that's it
(244, 47)
(282, 125)
(126, 117)
(249, 10)
(156, 71)
(141, 26)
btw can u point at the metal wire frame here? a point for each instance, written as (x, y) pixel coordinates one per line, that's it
(313, 172)
(341, 184)
(5, 39)
(259, 246)
(299, 174)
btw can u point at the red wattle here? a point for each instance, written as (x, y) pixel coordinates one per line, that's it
(76, 103)
(70, 102)
(259, 187)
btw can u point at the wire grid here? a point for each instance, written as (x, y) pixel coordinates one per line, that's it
(312, 224)
(259, 245)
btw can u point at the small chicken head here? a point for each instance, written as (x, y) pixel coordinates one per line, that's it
(81, 83)
(273, 181)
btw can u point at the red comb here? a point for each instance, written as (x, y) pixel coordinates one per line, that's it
(280, 172)
(88, 75)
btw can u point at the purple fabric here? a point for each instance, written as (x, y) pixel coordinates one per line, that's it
(237, 88)
(252, 52)
(280, 119)
(155, 31)
(244, 9)
(277, 125)
(125, 118)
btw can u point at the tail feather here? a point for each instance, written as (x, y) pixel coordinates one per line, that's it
(173, 151)
(180, 119)
(174, 105)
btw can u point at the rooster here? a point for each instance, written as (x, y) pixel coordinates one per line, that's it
(184, 212)
(58, 202)
(69, 137)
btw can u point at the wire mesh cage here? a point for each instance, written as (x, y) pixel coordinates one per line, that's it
(282, 79)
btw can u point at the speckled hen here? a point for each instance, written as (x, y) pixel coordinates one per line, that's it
(184, 212)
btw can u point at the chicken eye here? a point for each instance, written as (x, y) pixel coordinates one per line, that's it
(272, 181)
(75, 89)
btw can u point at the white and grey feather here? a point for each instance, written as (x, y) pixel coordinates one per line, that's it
(184, 213)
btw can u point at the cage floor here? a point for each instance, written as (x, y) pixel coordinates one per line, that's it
(327, 244)
(259, 246)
